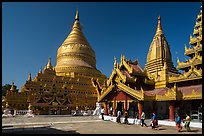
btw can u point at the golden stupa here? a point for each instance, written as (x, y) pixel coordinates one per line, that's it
(75, 55)
(159, 57)
(68, 85)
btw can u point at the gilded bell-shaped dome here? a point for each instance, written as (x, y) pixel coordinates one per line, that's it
(159, 53)
(75, 50)
(75, 54)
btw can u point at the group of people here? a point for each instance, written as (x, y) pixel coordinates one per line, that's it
(154, 120)
(186, 120)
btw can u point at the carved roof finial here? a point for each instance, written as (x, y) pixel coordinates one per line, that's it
(178, 61)
(29, 77)
(115, 62)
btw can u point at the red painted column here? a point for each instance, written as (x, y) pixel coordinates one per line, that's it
(106, 109)
(114, 107)
(125, 104)
(140, 109)
(171, 111)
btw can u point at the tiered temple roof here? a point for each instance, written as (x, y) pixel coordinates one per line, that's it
(192, 67)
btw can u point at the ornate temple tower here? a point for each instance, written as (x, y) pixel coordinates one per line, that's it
(75, 56)
(68, 85)
(159, 62)
(195, 52)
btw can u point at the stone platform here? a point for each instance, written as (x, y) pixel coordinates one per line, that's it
(56, 124)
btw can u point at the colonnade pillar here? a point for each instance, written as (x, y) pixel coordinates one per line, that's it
(106, 108)
(114, 107)
(171, 110)
(140, 106)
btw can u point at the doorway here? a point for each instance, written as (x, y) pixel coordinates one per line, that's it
(120, 107)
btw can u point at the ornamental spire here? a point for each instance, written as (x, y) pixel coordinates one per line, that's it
(12, 87)
(49, 65)
(77, 15)
(159, 27)
(29, 77)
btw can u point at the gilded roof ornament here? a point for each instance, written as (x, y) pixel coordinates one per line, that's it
(12, 87)
(159, 27)
(178, 61)
(29, 77)
(77, 15)
(115, 62)
(49, 65)
(185, 47)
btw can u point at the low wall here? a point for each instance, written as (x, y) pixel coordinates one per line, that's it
(160, 122)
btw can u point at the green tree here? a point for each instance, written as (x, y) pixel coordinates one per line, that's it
(7, 87)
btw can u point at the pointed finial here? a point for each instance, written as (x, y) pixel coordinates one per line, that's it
(115, 62)
(40, 70)
(12, 87)
(159, 27)
(77, 15)
(185, 47)
(29, 77)
(178, 61)
(49, 65)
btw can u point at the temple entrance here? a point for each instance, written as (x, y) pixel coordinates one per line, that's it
(120, 107)
(133, 108)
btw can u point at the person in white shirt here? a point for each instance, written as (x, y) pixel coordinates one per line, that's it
(142, 119)
(118, 116)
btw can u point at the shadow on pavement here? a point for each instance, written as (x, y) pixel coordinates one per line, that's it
(38, 130)
(192, 130)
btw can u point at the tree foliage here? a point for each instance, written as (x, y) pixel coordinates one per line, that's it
(7, 87)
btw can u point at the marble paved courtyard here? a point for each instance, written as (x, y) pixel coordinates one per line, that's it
(42, 124)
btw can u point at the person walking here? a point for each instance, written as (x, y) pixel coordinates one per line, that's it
(178, 123)
(111, 111)
(126, 117)
(118, 116)
(142, 119)
(154, 122)
(187, 122)
(102, 112)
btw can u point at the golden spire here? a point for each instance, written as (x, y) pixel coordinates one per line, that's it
(159, 52)
(29, 77)
(75, 44)
(76, 35)
(77, 15)
(115, 62)
(49, 65)
(12, 87)
(159, 27)
(178, 61)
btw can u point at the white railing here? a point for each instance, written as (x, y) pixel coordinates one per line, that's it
(20, 112)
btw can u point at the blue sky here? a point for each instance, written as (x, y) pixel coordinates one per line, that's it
(31, 32)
